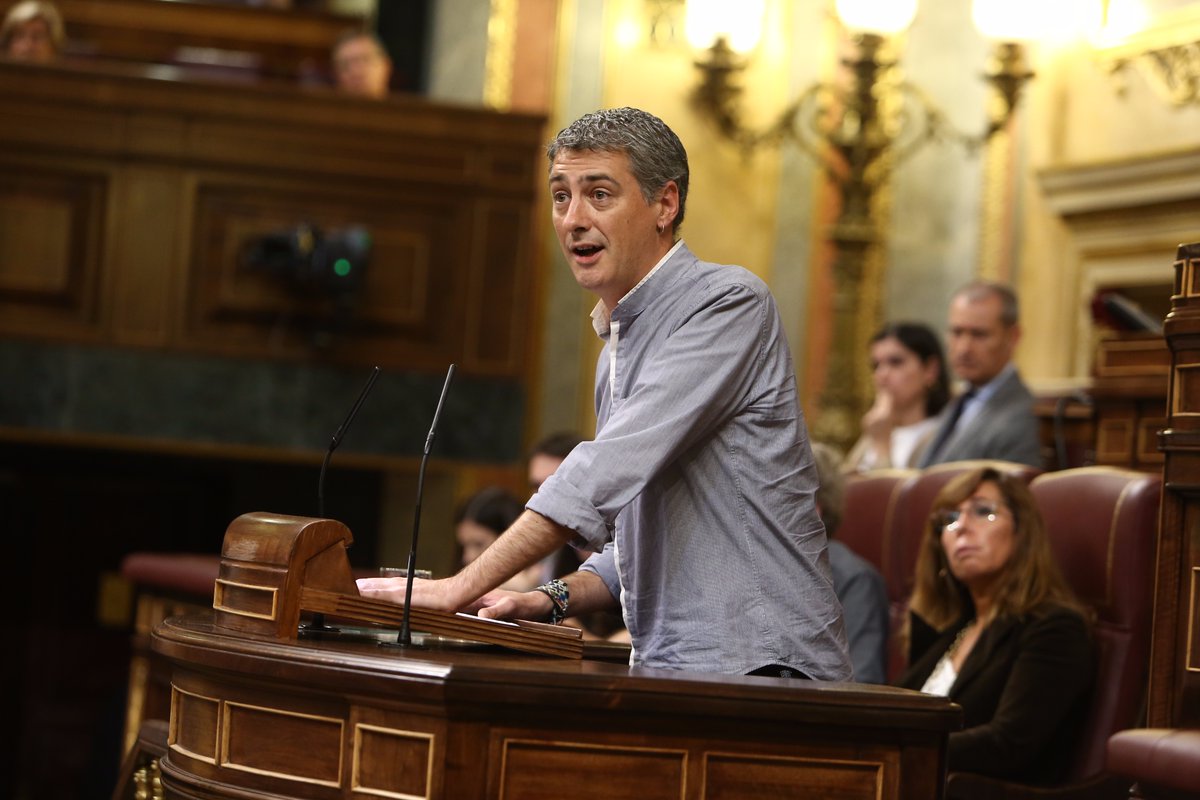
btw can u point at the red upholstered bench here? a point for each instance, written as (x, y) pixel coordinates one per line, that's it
(189, 575)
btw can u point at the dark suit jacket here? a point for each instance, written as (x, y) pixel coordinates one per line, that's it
(1004, 429)
(1023, 690)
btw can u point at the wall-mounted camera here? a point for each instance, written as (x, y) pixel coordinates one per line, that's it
(327, 270)
(311, 262)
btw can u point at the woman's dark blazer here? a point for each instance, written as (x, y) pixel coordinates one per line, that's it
(1023, 690)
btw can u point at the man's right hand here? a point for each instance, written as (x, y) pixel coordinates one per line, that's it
(439, 594)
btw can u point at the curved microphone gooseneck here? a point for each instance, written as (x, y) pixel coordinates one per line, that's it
(405, 638)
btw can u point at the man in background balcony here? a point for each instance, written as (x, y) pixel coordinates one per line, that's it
(361, 65)
(993, 418)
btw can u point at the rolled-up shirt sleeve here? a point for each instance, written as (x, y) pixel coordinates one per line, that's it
(604, 566)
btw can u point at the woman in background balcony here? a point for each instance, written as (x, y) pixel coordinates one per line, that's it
(994, 627)
(32, 31)
(911, 389)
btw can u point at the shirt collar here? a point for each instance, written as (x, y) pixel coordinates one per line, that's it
(602, 319)
(983, 393)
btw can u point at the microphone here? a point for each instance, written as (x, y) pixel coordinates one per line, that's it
(337, 438)
(405, 638)
(318, 620)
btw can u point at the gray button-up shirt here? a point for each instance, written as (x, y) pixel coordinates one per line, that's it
(699, 484)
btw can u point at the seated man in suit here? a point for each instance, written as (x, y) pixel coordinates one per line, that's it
(994, 417)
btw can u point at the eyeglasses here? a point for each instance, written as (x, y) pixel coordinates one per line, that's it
(951, 519)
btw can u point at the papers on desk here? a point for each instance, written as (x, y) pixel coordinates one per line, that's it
(485, 619)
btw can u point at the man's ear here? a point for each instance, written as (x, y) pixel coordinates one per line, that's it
(1014, 335)
(668, 205)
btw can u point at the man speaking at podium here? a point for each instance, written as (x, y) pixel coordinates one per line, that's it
(697, 491)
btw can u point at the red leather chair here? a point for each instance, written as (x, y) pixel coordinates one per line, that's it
(871, 499)
(1103, 527)
(1164, 762)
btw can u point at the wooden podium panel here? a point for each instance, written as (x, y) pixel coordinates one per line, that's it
(254, 716)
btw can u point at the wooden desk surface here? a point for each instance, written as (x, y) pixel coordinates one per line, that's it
(348, 718)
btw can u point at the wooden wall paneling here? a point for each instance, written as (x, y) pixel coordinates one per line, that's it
(54, 123)
(1129, 392)
(147, 254)
(409, 313)
(498, 297)
(197, 169)
(52, 240)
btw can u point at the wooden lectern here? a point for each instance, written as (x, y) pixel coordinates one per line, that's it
(258, 712)
(274, 567)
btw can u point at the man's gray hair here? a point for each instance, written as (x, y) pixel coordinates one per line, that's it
(977, 290)
(655, 153)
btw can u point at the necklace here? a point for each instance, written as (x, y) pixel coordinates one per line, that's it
(970, 627)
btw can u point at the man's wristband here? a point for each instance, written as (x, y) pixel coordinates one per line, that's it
(559, 596)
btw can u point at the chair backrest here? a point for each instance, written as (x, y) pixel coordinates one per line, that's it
(871, 500)
(1103, 525)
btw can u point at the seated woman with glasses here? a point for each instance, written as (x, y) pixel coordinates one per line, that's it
(994, 627)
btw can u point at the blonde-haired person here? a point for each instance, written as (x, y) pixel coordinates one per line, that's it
(32, 31)
(994, 627)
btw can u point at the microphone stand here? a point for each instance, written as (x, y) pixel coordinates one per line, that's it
(405, 637)
(318, 621)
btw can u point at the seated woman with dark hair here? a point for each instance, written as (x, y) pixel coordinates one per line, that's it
(994, 627)
(912, 387)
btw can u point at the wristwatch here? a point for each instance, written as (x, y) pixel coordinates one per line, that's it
(559, 596)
